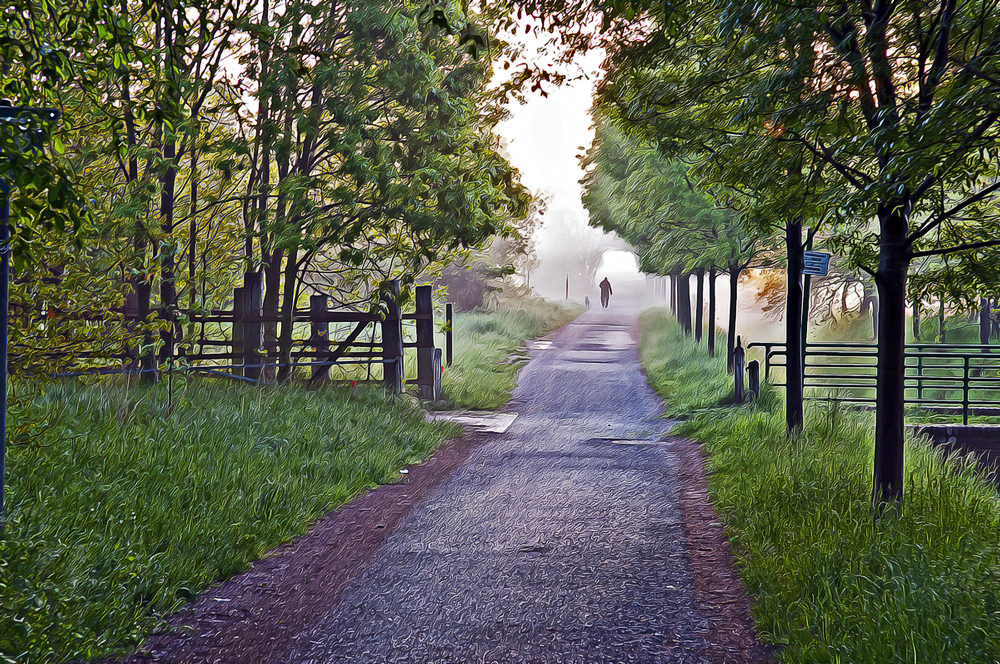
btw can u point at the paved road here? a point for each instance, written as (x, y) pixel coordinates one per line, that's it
(556, 542)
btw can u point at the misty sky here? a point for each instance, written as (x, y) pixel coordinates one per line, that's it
(544, 137)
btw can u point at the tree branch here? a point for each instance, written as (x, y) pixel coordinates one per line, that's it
(955, 249)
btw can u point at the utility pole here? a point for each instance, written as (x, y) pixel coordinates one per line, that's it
(33, 138)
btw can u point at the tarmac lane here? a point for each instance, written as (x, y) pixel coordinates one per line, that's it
(559, 540)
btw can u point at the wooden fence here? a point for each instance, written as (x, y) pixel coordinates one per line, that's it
(242, 342)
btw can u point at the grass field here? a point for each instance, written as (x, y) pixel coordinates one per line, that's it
(129, 502)
(482, 377)
(833, 580)
(121, 511)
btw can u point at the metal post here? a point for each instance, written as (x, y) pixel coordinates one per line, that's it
(425, 343)
(449, 313)
(438, 371)
(920, 374)
(9, 112)
(965, 390)
(806, 283)
(753, 379)
(4, 302)
(739, 357)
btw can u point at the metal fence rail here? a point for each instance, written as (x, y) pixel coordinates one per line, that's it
(954, 379)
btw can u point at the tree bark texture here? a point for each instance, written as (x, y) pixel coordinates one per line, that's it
(684, 302)
(711, 310)
(699, 305)
(890, 279)
(734, 280)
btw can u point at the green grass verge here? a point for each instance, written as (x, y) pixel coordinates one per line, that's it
(483, 376)
(120, 511)
(833, 581)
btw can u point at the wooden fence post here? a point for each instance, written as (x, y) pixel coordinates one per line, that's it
(318, 307)
(425, 343)
(253, 326)
(147, 360)
(131, 314)
(753, 379)
(739, 355)
(449, 314)
(392, 339)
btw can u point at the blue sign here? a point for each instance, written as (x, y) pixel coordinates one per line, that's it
(816, 263)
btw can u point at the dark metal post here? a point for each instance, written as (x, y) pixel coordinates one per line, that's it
(739, 357)
(392, 339)
(425, 343)
(920, 374)
(438, 371)
(806, 283)
(4, 302)
(753, 379)
(34, 142)
(965, 390)
(318, 308)
(449, 313)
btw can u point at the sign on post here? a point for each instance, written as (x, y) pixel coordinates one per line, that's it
(816, 263)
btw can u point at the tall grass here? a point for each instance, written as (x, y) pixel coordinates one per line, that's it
(120, 510)
(484, 374)
(833, 580)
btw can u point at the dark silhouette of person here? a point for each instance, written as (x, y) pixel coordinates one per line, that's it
(586, 301)
(605, 293)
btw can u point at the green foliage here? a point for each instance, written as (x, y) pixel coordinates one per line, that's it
(652, 203)
(832, 580)
(133, 501)
(330, 146)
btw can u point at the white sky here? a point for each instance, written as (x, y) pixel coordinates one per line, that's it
(544, 137)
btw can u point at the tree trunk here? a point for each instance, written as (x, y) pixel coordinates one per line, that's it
(673, 294)
(684, 303)
(916, 317)
(734, 280)
(793, 327)
(272, 297)
(287, 313)
(711, 310)
(890, 279)
(699, 304)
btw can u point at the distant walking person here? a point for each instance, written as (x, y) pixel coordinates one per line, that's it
(605, 293)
